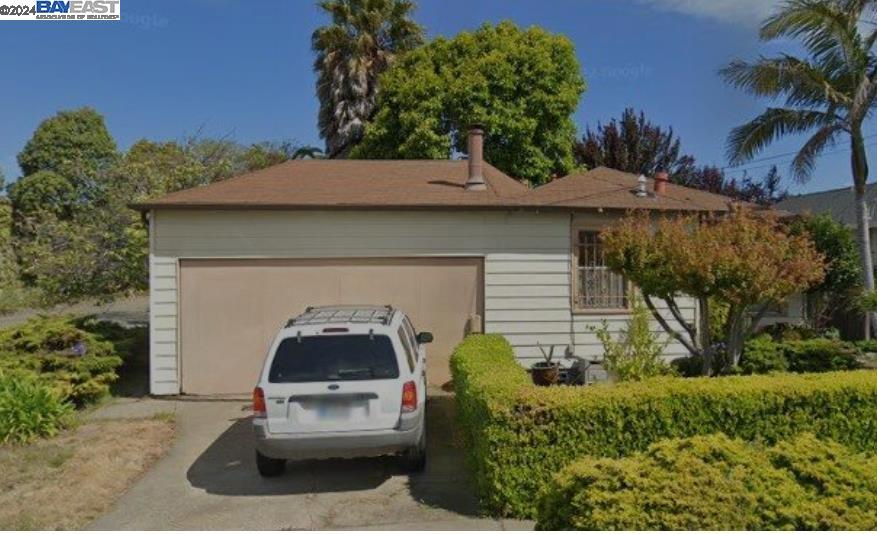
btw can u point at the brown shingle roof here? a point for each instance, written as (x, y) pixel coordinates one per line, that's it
(399, 184)
(611, 189)
(349, 183)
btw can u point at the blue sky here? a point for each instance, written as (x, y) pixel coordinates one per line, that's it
(172, 68)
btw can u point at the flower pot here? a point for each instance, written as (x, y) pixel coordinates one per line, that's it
(545, 374)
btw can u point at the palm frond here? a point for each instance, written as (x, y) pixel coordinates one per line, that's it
(805, 161)
(747, 140)
(351, 53)
(828, 29)
(801, 82)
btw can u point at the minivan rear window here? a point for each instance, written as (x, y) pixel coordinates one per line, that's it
(334, 359)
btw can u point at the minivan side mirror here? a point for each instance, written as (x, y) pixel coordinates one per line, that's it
(424, 337)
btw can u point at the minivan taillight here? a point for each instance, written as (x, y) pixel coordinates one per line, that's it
(259, 409)
(409, 397)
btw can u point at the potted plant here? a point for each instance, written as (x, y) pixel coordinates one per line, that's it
(546, 373)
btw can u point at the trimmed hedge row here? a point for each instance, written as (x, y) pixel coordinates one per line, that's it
(717, 483)
(520, 435)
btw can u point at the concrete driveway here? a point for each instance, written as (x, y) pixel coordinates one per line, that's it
(209, 481)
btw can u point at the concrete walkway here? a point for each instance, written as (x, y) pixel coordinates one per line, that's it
(208, 480)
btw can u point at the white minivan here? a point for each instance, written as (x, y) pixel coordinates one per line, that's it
(342, 382)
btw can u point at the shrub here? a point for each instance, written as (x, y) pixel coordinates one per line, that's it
(15, 296)
(30, 409)
(129, 342)
(637, 353)
(763, 355)
(520, 435)
(867, 345)
(717, 483)
(819, 355)
(789, 332)
(79, 365)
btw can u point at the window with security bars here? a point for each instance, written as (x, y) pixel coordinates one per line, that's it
(597, 287)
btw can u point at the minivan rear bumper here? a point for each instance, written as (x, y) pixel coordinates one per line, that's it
(324, 445)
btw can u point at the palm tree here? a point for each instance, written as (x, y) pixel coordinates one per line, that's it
(352, 51)
(828, 94)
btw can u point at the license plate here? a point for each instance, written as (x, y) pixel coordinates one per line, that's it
(333, 411)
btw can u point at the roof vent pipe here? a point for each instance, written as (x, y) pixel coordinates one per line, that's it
(641, 187)
(475, 142)
(661, 179)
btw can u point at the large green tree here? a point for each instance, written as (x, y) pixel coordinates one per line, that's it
(74, 144)
(360, 43)
(828, 94)
(8, 266)
(74, 234)
(522, 84)
(843, 274)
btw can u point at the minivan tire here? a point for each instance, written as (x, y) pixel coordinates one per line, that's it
(269, 467)
(414, 459)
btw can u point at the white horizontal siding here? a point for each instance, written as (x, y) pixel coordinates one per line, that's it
(350, 234)
(532, 290)
(163, 361)
(587, 344)
(525, 303)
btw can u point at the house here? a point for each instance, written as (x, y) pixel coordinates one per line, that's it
(458, 245)
(839, 204)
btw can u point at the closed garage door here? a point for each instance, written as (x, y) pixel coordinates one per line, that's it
(230, 310)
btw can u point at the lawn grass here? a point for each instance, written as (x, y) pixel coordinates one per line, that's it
(67, 481)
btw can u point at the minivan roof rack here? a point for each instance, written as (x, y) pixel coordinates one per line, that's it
(347, 313)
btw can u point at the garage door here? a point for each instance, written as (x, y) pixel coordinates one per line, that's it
(231, 309)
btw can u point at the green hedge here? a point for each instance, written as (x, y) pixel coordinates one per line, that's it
(520, 435)
(764, 355)
(50, 348)
(717, 483)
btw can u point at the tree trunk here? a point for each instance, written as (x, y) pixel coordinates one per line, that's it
(736, 336)
(859, 163)
(690, 344)
(706, 342)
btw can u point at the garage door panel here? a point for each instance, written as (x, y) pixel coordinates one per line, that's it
(231, 309)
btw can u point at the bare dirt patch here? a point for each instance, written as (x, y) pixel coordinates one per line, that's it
(65, 482)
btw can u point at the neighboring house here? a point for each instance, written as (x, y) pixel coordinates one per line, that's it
(458, 245)
(839, 203)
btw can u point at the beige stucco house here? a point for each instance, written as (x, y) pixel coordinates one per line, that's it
(458, 245)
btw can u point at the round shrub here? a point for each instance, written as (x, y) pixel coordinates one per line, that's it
(820, 355)
(78, 364)
(30, 409)
(762, 355)
(716, 483)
